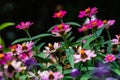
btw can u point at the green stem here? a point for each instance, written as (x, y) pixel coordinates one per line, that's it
(108, 33)
(65, 41)
(61, 20)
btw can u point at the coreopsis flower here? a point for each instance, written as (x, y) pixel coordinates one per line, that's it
(108, 23)
(12, 67)
(61, 29)
(109, 58)
(51, 48)
(95, 24)
(59, 14)
(83, 55)
(88, 12)
(116, 40)
(49, 75)
(75, 73)
(24, 25)
(25, 47)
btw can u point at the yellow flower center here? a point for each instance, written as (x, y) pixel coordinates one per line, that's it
(104, 21)
(83, 54)
(24, 47)
(51, 77)
(58, 14)
(110, 58)
(94, 23)
(60, 27)
(2, 56)
(87, 10)
(50, 46)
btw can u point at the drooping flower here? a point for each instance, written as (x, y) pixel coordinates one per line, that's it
(12, 67)
(49, 75)
(108, 23)
(116, 40)
(109, 58)
(59, 14)
(83, 55)
(75, 73)
(61, 29)
(24, 25)
(88, 12)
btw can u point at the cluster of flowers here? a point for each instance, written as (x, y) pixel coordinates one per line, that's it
(81, 59)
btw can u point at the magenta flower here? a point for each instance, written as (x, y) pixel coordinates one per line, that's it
(24, 25)
(95, 23)
(88, 12)
(59, 14)
(83, 28)
(0, 46)
(116, 40)
(83, 55)
(61, 29)
(109, 58)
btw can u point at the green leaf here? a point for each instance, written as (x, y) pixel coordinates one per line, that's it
(67, 71)
(2, 42)
(20, 40)
(85, 77)
(40, 45)
(41, 35)
(59, 68)
(93, 37)
(116, 70)
(4, 25)
(73, 23)
(23, 77)
(69, 54)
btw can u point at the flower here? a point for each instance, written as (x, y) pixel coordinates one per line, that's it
(25, 47)
(110, 78)
(75, 73)
(83, 55)
(49, 75)
(24, 25)
(59, 14)
(95, 23)
(119, 56)
(108, 23)
(61, 29)
(88, 12)
(51, 48)
(12, 67)
(29, 62)
(116, 40)
(102, 70)
(0, 46)
(83, 28)
(109, 58)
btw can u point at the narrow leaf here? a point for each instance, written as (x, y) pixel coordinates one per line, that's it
(20, 40)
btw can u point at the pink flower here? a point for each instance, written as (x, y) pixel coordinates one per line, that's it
(95, 23)
(108, 23)
(116, 40)
(88, 12)
(109, 58)
(83, 55)
(49, 75)
(0, 46)
(25, 47)
(12, 67)
(59, 14)
(83, 28)
(24, 25)
(61, 29)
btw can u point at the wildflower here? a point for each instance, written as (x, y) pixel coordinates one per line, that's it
(109, 58)
(51, 48)
(75, 73)
(12, 67)
(59, 14)
(49, 75)
(102, 70)
(83, 55)
(25, 47)
(83, 28)
(61, 29)
(88, 12)
(95, 24)
(30, 61)
(108, 23)
(24, 25)
(116, 40)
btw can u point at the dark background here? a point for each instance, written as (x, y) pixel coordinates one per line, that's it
(40, 12)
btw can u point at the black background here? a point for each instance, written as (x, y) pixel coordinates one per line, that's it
(40, 12)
